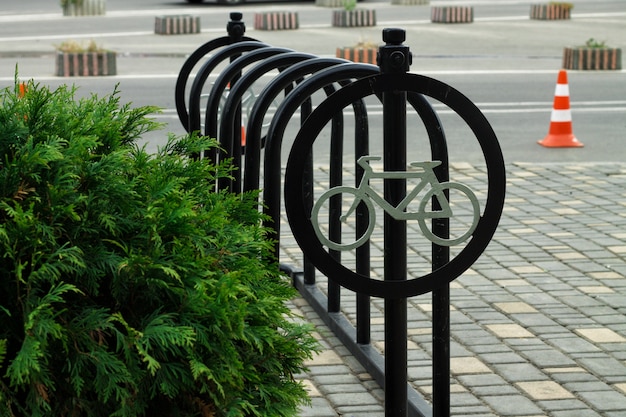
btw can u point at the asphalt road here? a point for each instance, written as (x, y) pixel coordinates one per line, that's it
(504, 62)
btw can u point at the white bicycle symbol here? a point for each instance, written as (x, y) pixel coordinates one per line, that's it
(366, 194)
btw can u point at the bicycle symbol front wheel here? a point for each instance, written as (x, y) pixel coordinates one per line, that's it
(353, 215)
(456, 207)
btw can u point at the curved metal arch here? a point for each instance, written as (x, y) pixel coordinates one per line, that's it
(228, 132)
(227, 76)
(272, 161)
(185, 72)
(230, 74)
(205, 71)
(286, 78)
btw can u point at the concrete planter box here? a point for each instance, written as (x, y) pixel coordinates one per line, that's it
(552, 11)
(84, 8)
(452, 14)
(582, 58)
(358, 54)
(354, 18)
(176, 25)
(410, 2)
(71, 64)
(276, 21)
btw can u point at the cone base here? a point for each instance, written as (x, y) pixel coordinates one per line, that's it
(560, 141)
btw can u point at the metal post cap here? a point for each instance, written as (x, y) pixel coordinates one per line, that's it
(394, 36)
(394, 57)
(236, 28)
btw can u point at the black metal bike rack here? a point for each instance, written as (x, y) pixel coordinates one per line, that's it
(344, 84)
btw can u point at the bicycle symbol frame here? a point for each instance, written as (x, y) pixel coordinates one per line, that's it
(299, 212)
(366, 194)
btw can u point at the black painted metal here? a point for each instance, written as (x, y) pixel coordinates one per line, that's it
(225, 78)
(335, 179)
(272, 176)
(363, 306)
(495, 175)
(302, 75)
(394, 59)
(206, 69)
(271, 58)
(235, 29)
(435, 131)
(322, 78)
(229, 133)
(365, 353)
(251, 181)
(282, 82)
(358, 344)
(299, 216)
(441, 295)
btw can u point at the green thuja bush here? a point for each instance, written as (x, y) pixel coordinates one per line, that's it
(127, 286)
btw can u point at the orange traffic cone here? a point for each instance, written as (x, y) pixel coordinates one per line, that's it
(560, 134)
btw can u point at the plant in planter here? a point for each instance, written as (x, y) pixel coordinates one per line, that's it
(351, 16)
(363, 51)
(555, 10)
(76, 59)
(594, 55)
(128, 287)
(83, 7)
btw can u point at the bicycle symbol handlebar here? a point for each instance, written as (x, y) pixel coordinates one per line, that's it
(364, 193)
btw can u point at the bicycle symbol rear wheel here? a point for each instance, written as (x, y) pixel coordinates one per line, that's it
(346, 215)
(460, 230)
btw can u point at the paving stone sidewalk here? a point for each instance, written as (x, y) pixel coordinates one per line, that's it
(538, 323)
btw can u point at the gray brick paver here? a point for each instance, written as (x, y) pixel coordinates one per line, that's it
(584, 412)
(562, 405)
(604, 400)
(567, 268)
(512, 405)
(545, 358)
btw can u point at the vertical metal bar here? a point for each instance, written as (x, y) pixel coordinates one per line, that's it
(336, 179)
(305, 111)
(441, 296)
(236, 28)
(441, 351)
(363, 260)
(441, 256)
(394, 58)
(441, 303)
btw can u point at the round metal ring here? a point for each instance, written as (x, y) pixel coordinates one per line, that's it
(299, 217)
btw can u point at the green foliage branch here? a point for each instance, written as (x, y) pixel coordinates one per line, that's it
(73, 46)
(595, 44)
(349, 5)
(127, 286)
